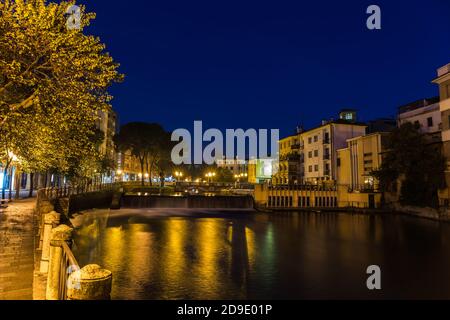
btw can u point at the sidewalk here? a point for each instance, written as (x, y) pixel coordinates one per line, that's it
(17, 250)
(22, 194)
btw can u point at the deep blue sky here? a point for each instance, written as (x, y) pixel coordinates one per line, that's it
(269, 64)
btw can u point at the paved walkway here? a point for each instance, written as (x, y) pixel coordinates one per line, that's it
(17, 250)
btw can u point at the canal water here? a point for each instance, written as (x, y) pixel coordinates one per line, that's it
(180, 254)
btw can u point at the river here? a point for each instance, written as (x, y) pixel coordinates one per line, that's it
(180, 254)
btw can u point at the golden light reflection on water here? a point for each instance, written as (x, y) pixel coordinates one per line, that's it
(172, 254)
(139, 249)
(264, 256)
(208, 239)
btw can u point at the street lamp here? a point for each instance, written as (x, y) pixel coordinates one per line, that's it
(119, 175)
(238, 178)
(178, 174)
(210, 175)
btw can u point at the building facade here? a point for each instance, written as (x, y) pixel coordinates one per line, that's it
(357, 162)
(424, 113)
(289, 169)
(443, 81)
(107, 123)
(236, 166)
(321, 145)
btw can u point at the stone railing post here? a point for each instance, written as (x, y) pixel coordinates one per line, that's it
(90, 283)
(58, 234)
(51, 220)
(43, 206)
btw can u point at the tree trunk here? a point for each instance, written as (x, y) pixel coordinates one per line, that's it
(142, 170)
(150, 173)
(30, 193)
(17, 179)
(10, 183)
(5, 170)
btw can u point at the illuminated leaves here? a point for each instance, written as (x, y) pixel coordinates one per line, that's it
(53, 83)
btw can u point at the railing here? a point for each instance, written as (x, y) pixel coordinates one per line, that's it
(306, 187)
(68, 190)
(364, 188)
(68, 265)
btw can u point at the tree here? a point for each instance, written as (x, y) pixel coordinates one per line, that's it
(224, 175)
(148, 142)
(53, 83)
(416, 163)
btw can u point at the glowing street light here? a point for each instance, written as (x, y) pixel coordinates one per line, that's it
(178, 175)
(210, 175)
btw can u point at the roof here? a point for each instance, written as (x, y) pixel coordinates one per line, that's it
(417, 104)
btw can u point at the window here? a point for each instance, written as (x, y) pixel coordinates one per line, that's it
(430, 122)
(316, 153)
(316, 138)
(327, 137)
(309, 140)
(338, 162)
(449, 121)
(310, 168)
(417, 124)
(310, 154)
(316, 168)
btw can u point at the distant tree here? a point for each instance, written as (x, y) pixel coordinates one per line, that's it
(415, 162)
(224, 175)
(148, 142)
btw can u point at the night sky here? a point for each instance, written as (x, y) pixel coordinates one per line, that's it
(269, 64)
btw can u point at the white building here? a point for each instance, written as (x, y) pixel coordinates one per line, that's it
(425, 113)
(321, 145)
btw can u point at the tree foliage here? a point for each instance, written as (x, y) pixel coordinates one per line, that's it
(149, 143)
(53, 84)
(414, 162)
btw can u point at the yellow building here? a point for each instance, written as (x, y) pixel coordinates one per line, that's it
(443, 80)
(355, 166)
(309, 157)
(128, 167)
(289, 165)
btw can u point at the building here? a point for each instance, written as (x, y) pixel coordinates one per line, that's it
(357, 162)
(290, 161)
(309, 157)
(236, 166)
(425, 113)
(381, 125)
(443, 81)
(128, 167)
(107, 123)
(321, 145)
(261, 170)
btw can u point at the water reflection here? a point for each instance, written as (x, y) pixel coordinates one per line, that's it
(168, 255)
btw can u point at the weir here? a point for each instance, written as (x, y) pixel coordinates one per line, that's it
(187, 201)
